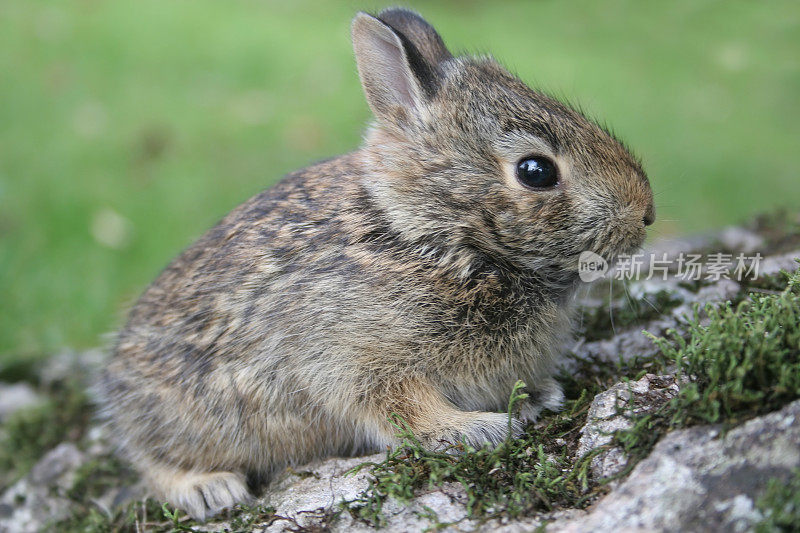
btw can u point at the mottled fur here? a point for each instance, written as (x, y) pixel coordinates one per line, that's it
(414, 275)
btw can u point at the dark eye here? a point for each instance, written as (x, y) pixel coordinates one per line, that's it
(537, 172)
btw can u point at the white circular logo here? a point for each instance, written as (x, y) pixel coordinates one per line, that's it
(591, 266)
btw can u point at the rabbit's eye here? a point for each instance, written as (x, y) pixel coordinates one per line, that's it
(537, 172)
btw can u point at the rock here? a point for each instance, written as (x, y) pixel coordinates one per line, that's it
(738, 239)
(72, 364)
(720, 291)
(40, 497)
(699, 480)
(629, 342)
(675, 246)
(317, 486)
(611, 410)
(56, 467)
(774, 264)
(305, 497)
(16, 396)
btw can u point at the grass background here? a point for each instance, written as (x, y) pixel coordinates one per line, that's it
(127, 128)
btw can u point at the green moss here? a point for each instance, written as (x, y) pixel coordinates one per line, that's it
(603, 321)
(30, 433)
(767, 283)
(19, 370)
(780, 229)
(154, 517)
(518, 477)
(99, 475)
(96, 478)
(744, 361)
(780, 505)
(694, 285)
(136, 516)
(245, 518)
(738, 362)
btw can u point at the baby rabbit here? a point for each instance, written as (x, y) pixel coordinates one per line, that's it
(421, 275)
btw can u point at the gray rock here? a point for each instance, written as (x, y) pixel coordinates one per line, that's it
(316, 487)
(303, 497)
(774, 264)
(699, 480)
(631, 342)
(16, 396)
(738, 239)
(623, 346)
(611, 411)
(72, 364)
(717, 292)
(722, 290)
(38, 499)
(674, 246)
(57, 466)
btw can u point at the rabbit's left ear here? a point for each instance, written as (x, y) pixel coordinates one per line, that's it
(399, 71)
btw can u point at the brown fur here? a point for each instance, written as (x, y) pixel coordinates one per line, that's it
(414, 275)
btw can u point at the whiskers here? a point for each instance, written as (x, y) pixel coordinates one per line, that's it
(611, 304)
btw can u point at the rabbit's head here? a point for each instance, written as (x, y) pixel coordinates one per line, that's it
(464, 152)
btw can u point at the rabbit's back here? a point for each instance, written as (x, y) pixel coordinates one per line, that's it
(212, 346)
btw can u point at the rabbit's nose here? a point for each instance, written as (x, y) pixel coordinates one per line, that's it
(649, 215)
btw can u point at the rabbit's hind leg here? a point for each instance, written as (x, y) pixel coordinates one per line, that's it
(199, 494)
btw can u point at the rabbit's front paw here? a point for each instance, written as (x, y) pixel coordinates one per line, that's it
(547, 396)
(478, 429)
(200, 494)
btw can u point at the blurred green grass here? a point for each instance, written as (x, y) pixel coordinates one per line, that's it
(128, 128)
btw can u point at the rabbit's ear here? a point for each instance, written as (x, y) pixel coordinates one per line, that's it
(397, 78)
(417, 30)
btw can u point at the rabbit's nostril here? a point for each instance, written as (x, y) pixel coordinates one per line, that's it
(649, 215)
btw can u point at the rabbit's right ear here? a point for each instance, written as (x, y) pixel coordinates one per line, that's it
(397, 79)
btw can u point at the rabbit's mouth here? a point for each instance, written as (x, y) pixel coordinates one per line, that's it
(615, 244)
(623, 238)
(632, 246)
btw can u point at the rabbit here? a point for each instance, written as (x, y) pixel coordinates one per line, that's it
(419, 276)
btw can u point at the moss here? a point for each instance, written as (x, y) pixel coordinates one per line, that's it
(137, 516)
(603, 321)
(30, 433)
(780, 229)
(767, 283)
(23, 369)
(96, 478)
(519, 477)
(694, 285)
(738, 362)
(780, 505)
(744, 361)
(154, 517)
(244, 517)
